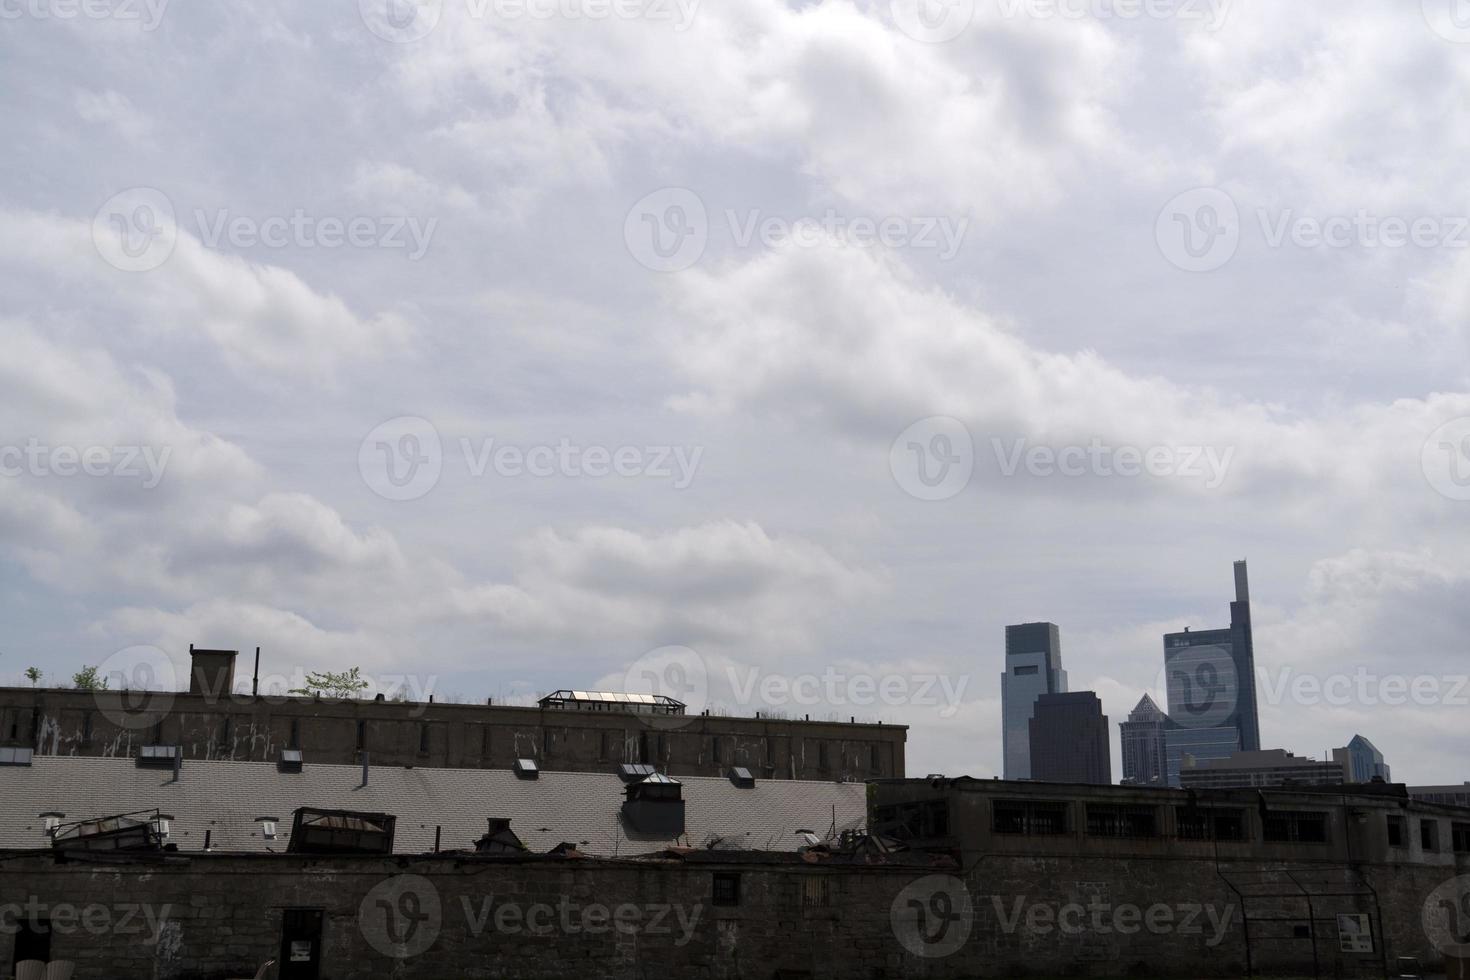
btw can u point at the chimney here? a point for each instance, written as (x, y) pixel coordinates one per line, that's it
(1242, 586)
(211, 672)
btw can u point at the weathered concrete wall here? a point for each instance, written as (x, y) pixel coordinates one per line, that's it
(64, 722)
(214, 916)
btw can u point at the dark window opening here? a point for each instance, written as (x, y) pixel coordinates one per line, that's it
(484, 741)
(1460, 837)
(423, 738)
(32, 940)
(361, 735)
(1398, 831)
(823, 760)
(86, 728)
(913, 821)
(1121, 820)
(1032, 817)
(726, 888)
(1202, 824)
(714, 749)
(874, 760)
(816, 892)
(1429, 835)
(1291, 827)
(1027, 671)
(294, 742)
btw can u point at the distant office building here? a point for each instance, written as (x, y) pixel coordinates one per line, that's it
(1448, 795)
(1069, 740)
(1210, 676)
(1033, 668)
(1143, 745)
(1361, 761)
(1248, 770)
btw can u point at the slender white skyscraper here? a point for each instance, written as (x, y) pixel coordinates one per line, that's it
(1033, 668)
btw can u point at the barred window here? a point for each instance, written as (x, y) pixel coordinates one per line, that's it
(1295, 827)
(1034, 817)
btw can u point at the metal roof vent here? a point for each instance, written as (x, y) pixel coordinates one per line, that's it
(526, 769)
(740, 776)
(632, 772)
(158, 757)
(16, 757)
(290, 761)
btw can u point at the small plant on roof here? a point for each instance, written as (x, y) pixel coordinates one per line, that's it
(33, 674)
(333, 684)
(87, 679)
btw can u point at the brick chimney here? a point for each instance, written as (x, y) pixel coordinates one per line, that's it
(211, 672)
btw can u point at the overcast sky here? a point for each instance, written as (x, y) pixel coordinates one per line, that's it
(783, 352)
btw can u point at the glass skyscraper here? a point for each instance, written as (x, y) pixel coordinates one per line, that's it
(1033, 668)
(1210, 677)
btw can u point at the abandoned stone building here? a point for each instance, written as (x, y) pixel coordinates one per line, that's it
(569, 730)
(337, 872)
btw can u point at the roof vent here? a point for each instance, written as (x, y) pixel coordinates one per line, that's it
(16, 757)
(526, 769)
(158, 757)
(290, 761)
(740, 776)
(632, 772)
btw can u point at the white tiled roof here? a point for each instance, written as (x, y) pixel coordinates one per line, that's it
(228, 798)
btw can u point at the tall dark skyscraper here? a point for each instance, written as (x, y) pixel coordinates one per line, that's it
(1210, 676)
(1033, 668)
(1142, 738)
(1069, 740)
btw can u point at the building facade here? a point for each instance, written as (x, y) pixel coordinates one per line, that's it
(1142, 738)
(1069, 740)
(1270, 767)
(1210, 677)
(1033, 668)
(213, 722)
(1361, 762)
